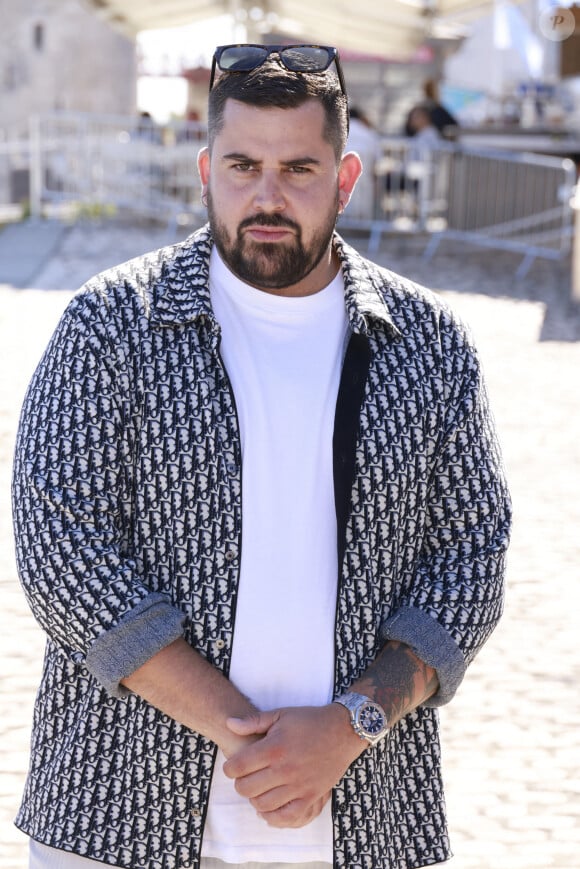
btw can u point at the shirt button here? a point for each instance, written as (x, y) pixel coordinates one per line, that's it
(231, 468)
(230, 555)
(220, 644)
(195, 813)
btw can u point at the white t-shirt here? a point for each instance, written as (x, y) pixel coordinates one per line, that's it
(284, 357)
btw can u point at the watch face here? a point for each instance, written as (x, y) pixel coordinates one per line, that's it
(371, 719)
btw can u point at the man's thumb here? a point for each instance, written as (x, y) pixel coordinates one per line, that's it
(253, 724)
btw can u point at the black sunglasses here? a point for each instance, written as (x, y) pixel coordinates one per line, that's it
(297, 58)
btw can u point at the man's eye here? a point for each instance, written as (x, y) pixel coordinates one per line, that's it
(243, 167)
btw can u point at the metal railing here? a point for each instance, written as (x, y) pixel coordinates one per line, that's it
(496, 199)
(15, 163)
(87, 165)
(74, 165)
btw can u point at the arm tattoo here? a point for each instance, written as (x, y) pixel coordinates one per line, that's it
(398, 680)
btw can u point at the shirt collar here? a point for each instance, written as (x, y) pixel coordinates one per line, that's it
(179, 291)
(366, 287)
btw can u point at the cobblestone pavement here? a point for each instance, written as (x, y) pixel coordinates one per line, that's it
(511, 738)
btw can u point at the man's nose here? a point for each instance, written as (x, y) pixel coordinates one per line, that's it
(269, 195)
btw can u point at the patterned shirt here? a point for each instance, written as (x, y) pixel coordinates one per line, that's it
(127, 510)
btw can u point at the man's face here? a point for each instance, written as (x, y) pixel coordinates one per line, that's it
(274, 191)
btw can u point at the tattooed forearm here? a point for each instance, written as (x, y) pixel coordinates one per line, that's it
(398, 680)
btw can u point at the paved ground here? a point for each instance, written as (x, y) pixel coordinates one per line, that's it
(19, 264)
(512, 735)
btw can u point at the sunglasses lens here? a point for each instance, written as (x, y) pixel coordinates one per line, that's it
(298, 58)
(306, 58)
(241, 58)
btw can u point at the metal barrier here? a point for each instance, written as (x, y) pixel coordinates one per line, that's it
(410, 190)
(92, 165)
(496, 199)
(15, 162)
(79, 164)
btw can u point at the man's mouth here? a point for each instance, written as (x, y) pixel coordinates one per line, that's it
(268, 228)
(268, 234)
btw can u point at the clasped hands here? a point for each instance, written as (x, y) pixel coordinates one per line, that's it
(291, 759)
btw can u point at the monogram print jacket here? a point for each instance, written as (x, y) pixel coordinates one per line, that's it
(127, 510)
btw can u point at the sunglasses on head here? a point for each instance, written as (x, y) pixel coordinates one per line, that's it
(297, 58)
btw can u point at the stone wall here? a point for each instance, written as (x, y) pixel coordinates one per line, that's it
(58, 55)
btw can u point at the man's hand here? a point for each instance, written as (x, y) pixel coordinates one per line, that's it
(289, 773)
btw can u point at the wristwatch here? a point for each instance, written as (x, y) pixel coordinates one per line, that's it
(367, 717)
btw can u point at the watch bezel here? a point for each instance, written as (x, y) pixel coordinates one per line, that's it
(356, 704)
(371, 704)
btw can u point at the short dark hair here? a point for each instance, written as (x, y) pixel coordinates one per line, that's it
(272, 86)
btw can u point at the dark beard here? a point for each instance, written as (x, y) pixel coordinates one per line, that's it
(270, 266)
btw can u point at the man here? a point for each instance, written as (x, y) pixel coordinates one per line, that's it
(442, 119)
(366, 141)
(425, 135)
(260, 512)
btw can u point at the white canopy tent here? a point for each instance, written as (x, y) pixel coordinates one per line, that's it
(387, 28)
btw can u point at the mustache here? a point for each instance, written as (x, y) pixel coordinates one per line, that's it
(276, 220)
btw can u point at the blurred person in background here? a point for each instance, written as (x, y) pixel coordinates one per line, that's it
(441, 118)
(425, 135)
(366, 142)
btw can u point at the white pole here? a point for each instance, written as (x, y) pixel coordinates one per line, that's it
(35, 163)
(576, 245)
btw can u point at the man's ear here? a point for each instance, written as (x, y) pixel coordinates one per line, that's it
(203, 168)
(349, 172)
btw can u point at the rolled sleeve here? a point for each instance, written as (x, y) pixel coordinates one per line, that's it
(432, 644)
(72, 486)
(148, 628)
(455, 597)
